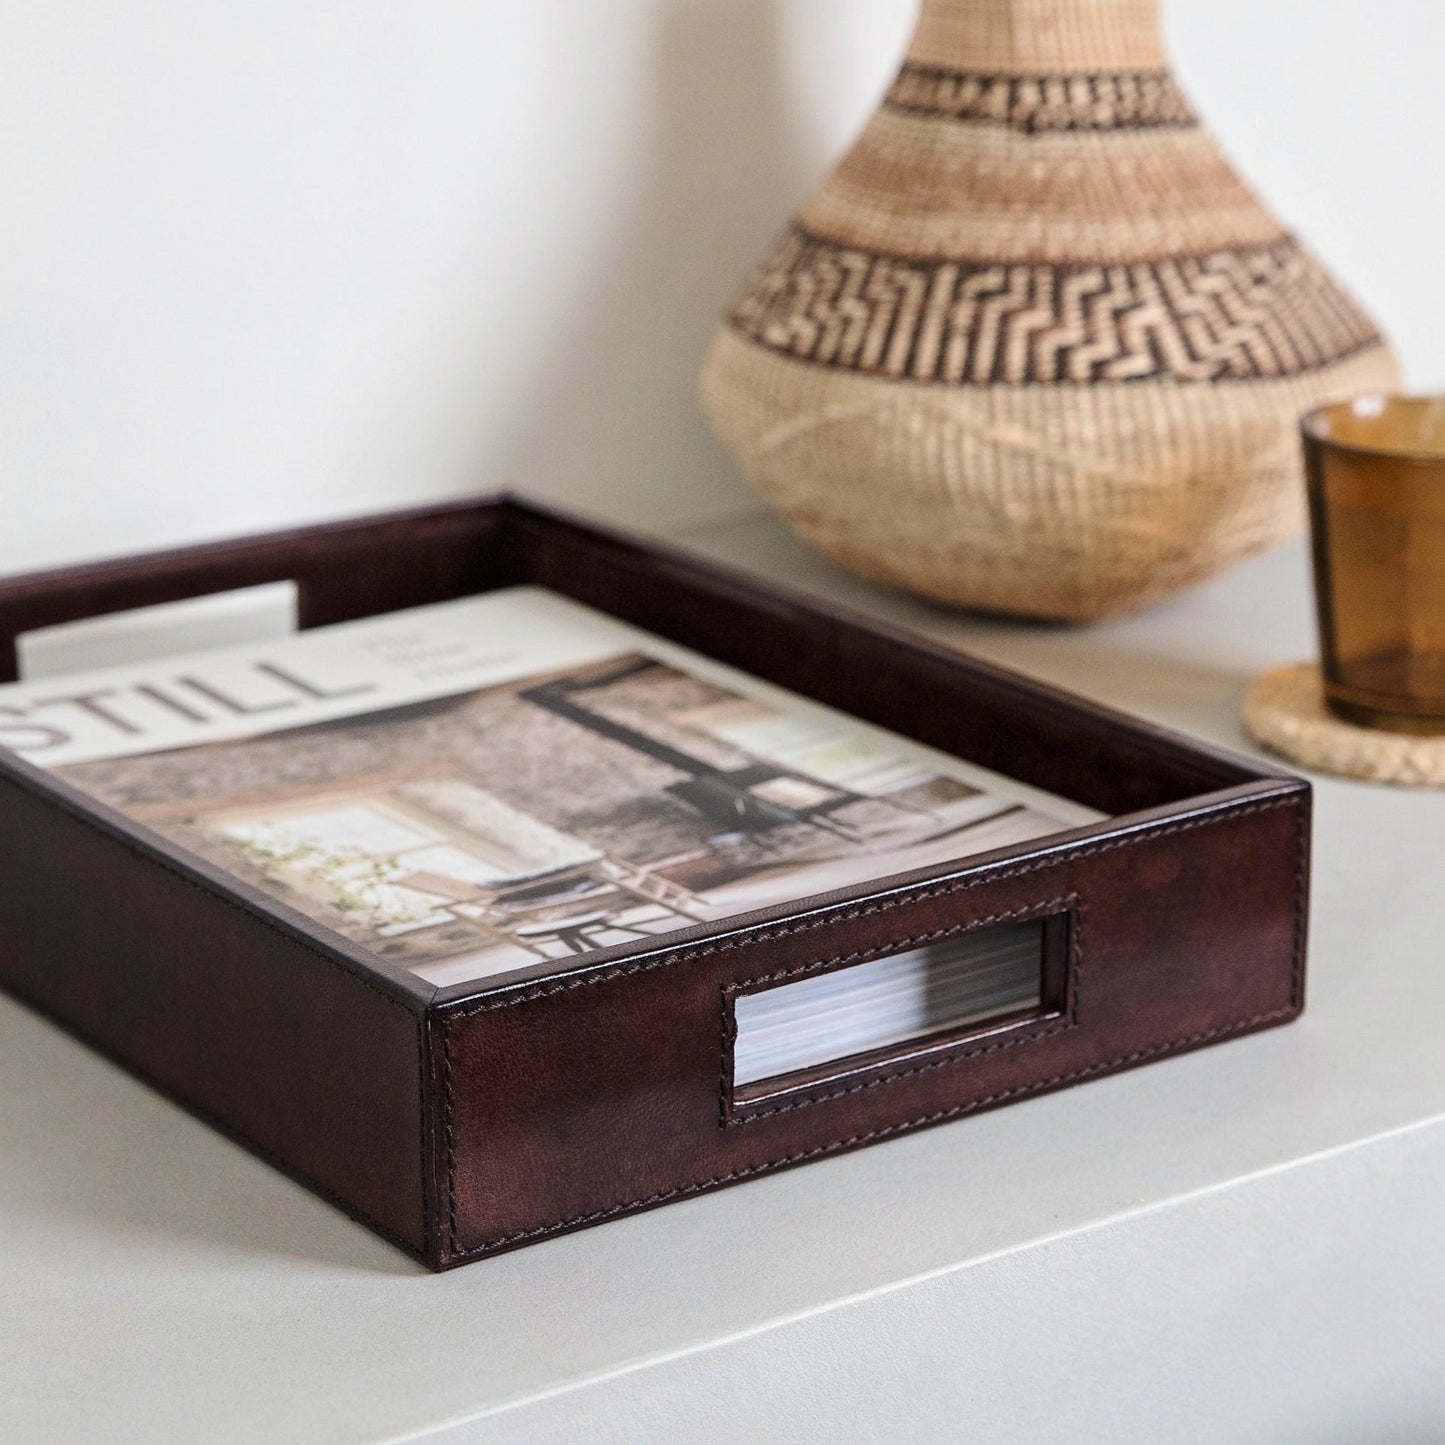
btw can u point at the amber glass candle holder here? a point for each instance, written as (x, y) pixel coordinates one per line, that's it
(1376, 469)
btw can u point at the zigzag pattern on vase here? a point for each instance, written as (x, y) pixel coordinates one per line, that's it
(1255, 313)
(1111, 100)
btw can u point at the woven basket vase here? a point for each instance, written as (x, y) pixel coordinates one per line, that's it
(1034, 347)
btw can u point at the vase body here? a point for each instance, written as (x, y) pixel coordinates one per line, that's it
(1033, 346)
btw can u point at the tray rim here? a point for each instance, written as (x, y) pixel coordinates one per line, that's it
(1228, 780)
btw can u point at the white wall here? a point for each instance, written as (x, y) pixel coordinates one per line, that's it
(287, 259)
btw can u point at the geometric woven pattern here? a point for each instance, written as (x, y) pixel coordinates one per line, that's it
(1258, 313)
(1034, 345)
(1113, 100)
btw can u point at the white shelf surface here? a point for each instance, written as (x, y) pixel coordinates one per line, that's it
(1254, 1225)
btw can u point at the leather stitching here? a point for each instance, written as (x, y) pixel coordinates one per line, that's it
(450, 1138)
(1293, 801)
(741, 1114)
(854, 1140)
(885, 905)
(1301, 903)
(727, 1039)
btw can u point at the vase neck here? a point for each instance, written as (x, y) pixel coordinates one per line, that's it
(1028, 36)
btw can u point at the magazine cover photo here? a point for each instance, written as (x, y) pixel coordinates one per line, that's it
(558, 813)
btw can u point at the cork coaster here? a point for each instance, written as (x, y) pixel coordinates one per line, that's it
(1285, 711)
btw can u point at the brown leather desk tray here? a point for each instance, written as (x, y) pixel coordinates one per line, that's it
(465, 1120)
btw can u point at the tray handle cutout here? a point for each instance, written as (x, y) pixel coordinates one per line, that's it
(793, 1035)
(165, 629)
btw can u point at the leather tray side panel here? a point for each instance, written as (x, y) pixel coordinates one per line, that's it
(576, 1099)
(243, 1022)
